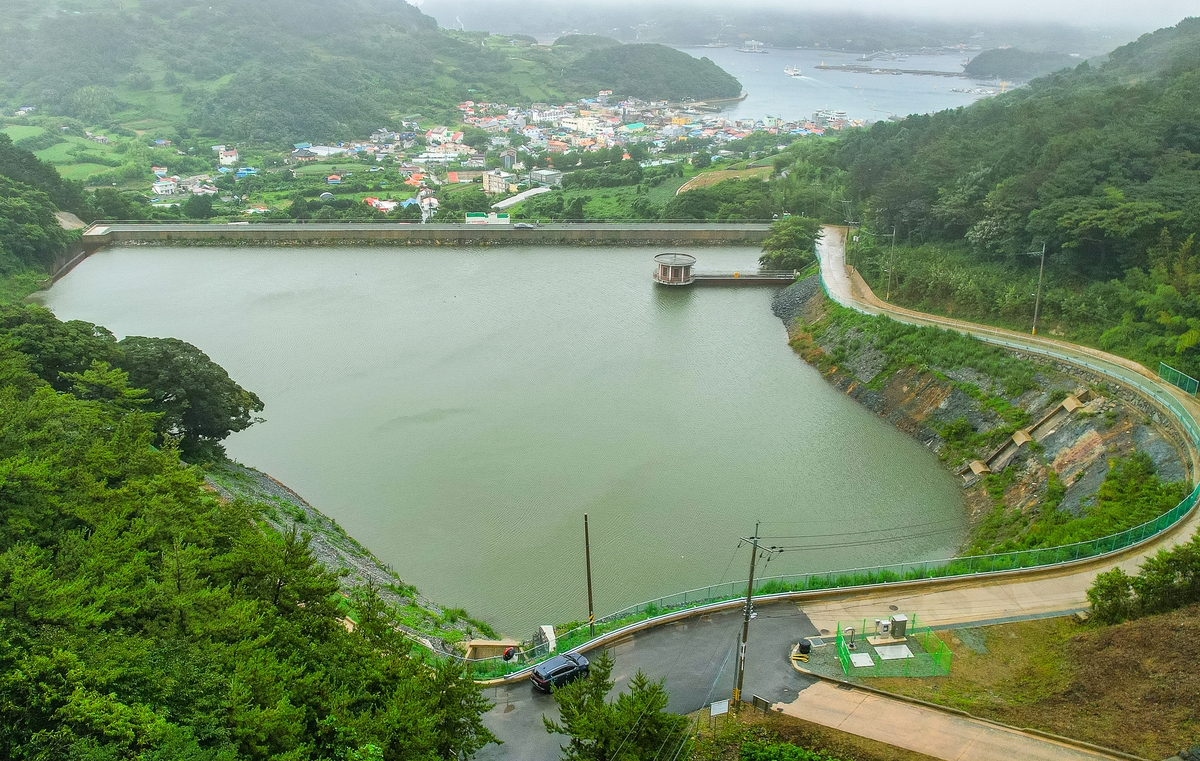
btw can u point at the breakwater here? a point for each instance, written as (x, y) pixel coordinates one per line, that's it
(383, 233)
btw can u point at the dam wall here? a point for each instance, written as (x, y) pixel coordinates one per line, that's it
(381, 233)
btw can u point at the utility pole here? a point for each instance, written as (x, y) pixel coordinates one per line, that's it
(741, 662)
(587, 553)
(1037, 302)
(891, 264)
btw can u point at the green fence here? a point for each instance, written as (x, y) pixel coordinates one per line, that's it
(1176, 378)
(931, 656)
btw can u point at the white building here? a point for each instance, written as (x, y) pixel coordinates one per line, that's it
(165, 187)
(546, 177)
(228, 158)
(496, 181)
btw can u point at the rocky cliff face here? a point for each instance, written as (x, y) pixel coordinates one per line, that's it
(970, 411)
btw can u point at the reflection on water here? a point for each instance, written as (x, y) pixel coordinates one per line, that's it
(457, 411)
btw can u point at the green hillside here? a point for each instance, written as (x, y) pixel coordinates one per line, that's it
(1011, 63)
(1099, 163)
(287, 70)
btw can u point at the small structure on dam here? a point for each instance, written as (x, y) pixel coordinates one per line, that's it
(674, 269)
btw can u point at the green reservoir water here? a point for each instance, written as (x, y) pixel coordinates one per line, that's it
(459, 410)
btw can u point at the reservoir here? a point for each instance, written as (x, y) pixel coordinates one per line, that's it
(457, 411)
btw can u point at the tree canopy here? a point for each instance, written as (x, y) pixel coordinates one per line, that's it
(790, 244)
(144, 618)
(192, 399)
(636, 725)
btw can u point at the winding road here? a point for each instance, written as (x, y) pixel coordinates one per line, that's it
(695, 655)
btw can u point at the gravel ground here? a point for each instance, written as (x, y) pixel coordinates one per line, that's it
(789, 303)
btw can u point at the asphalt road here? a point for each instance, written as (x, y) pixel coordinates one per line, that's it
(697, 658)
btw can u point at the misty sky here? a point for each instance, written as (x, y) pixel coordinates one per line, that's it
(1137, 14)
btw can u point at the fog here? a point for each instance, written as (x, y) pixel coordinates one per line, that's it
(1112, 14)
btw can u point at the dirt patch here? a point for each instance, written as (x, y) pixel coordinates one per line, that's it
(1134, 687)
(722, 739)
(707, 179)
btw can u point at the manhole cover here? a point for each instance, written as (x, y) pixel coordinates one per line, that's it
(892, 607)
(825, 631)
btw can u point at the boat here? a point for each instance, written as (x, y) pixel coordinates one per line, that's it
(751, 46)
(792, 71)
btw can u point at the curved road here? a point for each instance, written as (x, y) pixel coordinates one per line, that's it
(696, 657)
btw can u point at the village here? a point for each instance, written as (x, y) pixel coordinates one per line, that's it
(512, 153)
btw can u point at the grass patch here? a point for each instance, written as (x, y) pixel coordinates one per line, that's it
(707, 179)
(1134, 687)
(20, 131)
(17, 285)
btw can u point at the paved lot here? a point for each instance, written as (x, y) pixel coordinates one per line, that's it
(697, 658)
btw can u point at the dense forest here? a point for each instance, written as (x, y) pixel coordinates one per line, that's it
(1013, 63)
(275, 71)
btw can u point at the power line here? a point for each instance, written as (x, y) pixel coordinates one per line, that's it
(855, 533)
(860, 543)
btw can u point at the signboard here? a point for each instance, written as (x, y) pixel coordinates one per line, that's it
(718, 708)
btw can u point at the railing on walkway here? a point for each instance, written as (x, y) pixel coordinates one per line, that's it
(1178, 379)
(577, 637)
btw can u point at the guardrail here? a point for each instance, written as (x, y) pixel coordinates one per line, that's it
(578, 637)
(264, 219)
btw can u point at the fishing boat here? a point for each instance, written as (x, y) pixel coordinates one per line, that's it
(792, 71)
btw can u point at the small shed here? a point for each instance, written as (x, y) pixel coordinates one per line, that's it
(674, 269)
(489, 648)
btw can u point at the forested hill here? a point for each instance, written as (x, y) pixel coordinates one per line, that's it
(1011, 63)
(288, 70)
(1101, 163)
(1095, 161)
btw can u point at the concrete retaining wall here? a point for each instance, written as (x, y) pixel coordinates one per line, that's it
(661, 235)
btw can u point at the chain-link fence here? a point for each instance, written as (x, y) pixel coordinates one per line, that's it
(928, 654)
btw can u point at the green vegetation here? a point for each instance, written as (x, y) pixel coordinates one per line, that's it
(1131, 494)
(635, 725)
(1165, 582)
(924, 348)
(790, 244)
(277, 72)
(649, 72)
(1012, 63)
(751, 736)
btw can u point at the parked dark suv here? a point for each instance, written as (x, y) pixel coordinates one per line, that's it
(559, 670)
